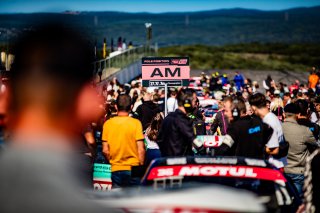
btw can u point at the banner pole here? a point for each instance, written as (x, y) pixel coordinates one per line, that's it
(165, 99)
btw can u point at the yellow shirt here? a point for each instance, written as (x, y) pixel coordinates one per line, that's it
(122, 134)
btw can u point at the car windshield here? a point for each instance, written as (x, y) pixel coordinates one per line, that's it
(209, 113)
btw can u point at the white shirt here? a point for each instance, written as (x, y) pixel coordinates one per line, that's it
(276, 137)
(151, 144)
(124, 46)
(313, 117)
(172, 104)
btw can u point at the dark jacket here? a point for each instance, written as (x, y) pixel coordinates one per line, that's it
(246, 137)
(176, 135)
(221, 122)
(198, 124)
(145, 112)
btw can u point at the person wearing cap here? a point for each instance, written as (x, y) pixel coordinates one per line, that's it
(224, 80)
(298, 137)
(213, 82)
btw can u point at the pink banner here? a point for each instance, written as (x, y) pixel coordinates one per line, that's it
(168, 72)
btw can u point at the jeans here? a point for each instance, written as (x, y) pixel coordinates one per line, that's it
(297, 180)
(123, 179)
(152, 154)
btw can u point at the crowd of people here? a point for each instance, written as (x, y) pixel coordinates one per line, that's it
(278, 123)
(275, 122)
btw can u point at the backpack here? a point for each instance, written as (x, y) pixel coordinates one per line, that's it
(198, 126)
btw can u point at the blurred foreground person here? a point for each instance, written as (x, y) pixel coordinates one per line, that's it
(50, 101)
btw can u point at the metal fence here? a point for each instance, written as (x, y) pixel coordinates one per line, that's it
(119, 60)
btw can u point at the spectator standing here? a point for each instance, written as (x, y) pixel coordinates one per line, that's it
(151, 137)
(298, 137)
(315, 116)
(172, 103)
(267, 83)
(221, 120)
(122, 144)
(176, 135)
(197, 118)
(276, 107)
(313, 80)
(239, 81)
(258, 104)
(224, 80)
(302, 119)
(286, 98)
(246, 135)
(119, 44)
(124, 45)
(147, 110)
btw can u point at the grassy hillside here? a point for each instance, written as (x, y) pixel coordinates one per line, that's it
(256, 56)
(217, 27)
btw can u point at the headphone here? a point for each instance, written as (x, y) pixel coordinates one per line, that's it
(187, 104)
(235, 110)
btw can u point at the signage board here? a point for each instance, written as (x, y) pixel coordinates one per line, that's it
(161, 71)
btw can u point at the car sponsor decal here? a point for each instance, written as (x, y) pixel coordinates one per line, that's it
(216, 171)
(209, 141)
(102, 177)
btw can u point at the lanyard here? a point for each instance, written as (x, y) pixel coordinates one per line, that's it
(224, 122)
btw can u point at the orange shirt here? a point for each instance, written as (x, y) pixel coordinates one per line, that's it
(122, 134)
(313, 80)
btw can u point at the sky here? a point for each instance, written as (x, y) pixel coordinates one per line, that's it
(152, 6)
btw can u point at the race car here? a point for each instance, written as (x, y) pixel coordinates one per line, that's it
(275, 191)
(195, 81)
(191, 198)
(209, 114)
(210, 108)
(209, 103)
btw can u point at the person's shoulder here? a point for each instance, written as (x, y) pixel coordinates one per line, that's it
(297, 127)
(270, 117)
(256, 119)
(133, 120)
(272, 120)
(110, 120)
(174, 115)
